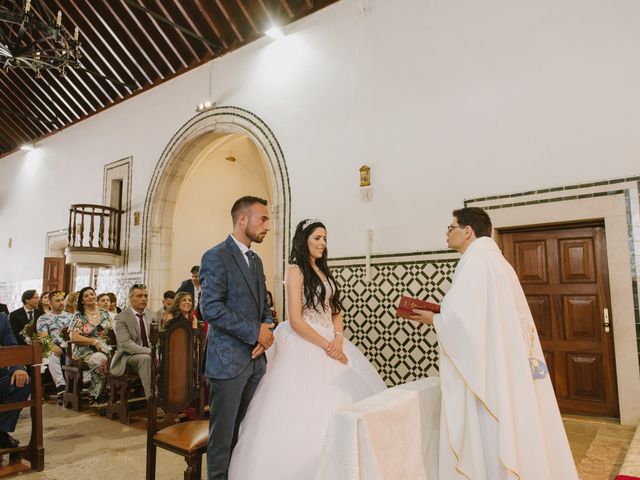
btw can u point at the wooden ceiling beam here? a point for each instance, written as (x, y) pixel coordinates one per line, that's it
(26, 95)
(229, 21)
(47, 100)
(168, 21)
(16, 136)
(115, 59)
(26, 123)
(21, 102)
(18, 129)
(33, 96)
(85, 42)
(144, 31)
(12, 113)
(74, 73)
(179, 6)
(209, 19)
(246, 14)
(179, 31)
(106, 25)
(152, 18)
(40, 95)
(287, 8)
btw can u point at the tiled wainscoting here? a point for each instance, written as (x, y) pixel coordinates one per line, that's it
(401, 350)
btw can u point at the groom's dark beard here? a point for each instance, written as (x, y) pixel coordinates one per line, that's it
(256, 237)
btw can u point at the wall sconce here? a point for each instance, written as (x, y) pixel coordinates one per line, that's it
(365, 182)
(136, 218)
(206, 105)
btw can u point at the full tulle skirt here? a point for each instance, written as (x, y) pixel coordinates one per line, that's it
(282, 434)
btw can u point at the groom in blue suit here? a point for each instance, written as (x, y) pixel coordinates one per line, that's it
(234, 303)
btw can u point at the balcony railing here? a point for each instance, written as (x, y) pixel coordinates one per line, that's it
(94, 228)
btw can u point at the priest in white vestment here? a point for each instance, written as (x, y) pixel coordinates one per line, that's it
(499, 418)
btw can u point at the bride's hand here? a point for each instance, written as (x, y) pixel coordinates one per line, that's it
(334, 350)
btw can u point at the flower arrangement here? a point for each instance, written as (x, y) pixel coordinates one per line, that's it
(30, 335)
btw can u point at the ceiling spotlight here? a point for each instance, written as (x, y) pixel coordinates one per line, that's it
(27, 147)
(275, 32)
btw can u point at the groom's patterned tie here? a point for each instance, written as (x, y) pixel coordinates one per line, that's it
(253, 264)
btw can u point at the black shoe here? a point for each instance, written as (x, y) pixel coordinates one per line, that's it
(7, 441)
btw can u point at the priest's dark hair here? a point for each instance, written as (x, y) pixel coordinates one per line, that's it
(476, 218)
(242, 204)
(315, 292)
(80, 306)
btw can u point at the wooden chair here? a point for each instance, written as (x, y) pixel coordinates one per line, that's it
(34, 452)
(73, 375)
(176, 370)
(120, 389)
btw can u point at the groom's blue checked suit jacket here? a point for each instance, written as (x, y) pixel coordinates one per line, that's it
(234, 304)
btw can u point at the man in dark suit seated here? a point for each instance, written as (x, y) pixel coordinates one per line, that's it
(192, 286)
(13, 387)
(29, 312)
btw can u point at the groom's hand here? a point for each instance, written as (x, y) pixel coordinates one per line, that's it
(265, 337)
(257, 351)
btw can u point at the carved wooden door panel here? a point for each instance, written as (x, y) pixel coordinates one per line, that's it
(53, 274)
(563, 271)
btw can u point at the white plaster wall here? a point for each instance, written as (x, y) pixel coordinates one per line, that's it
(445, 100)
(202, 213)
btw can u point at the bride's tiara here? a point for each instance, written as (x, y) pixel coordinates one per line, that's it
(310, 221)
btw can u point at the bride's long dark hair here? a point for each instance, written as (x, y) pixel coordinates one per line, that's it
(315, 292)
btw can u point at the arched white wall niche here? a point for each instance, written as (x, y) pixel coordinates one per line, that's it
(171, 169)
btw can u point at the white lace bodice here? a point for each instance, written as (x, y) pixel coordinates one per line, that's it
(321, 318)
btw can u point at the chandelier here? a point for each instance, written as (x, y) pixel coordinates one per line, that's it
(36, 41)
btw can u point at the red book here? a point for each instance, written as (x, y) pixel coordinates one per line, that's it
(407, 304)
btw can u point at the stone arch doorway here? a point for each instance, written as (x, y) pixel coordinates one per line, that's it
(180, 156)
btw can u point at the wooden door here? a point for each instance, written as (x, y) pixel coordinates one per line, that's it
(53, 274)
(563, 271)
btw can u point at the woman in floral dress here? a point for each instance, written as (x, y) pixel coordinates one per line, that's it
(89, 334)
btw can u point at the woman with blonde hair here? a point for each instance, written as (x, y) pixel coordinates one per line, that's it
(70, 302)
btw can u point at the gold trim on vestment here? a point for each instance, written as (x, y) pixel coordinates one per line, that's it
(510, 469)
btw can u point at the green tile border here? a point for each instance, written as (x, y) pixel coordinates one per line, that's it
(552, 189)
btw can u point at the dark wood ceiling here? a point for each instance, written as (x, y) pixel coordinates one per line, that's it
(127, 47)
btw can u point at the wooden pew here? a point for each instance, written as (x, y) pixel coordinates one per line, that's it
(31, 356)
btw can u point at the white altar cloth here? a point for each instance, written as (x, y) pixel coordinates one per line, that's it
(393, 435)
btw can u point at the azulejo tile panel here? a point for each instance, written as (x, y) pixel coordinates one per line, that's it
(399, 349)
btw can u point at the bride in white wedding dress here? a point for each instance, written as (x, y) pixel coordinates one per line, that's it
(311, 371)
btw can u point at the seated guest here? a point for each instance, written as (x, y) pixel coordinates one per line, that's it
(167, 301)
(89, 334)
(114, 303)
(104, 302)
(132, 327)
(192, 286)
(182, 308)
(13, 387)
(70, 302)
(4, 308)
(43, 304)
(272, 307)
(26, 314)
(50, 324)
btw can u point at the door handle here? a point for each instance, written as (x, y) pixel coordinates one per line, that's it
(606, 323)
